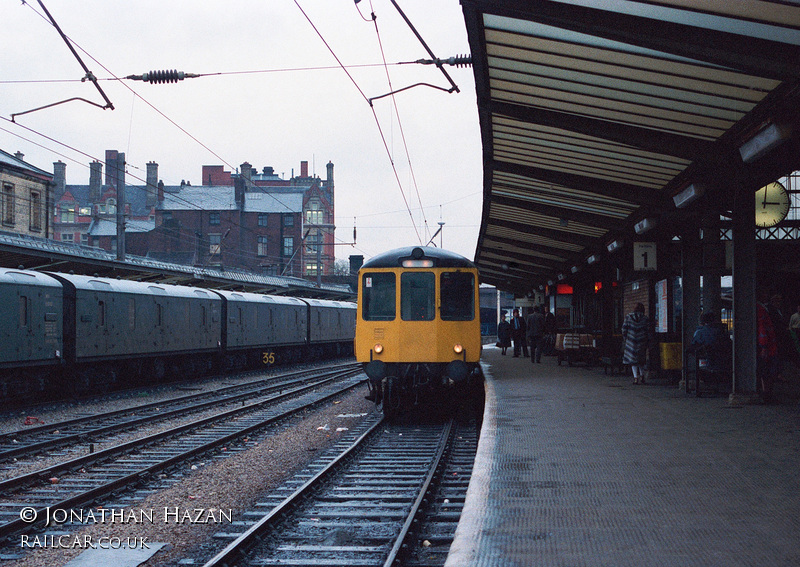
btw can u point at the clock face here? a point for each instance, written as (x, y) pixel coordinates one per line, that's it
(772, 205)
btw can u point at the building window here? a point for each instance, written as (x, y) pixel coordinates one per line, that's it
(84, 239)
(214, 244)
(314, 212)
(213, 218)
(262, 219)
(314, 241)
(288, 220)
(288, 246)
(311, 269)
(67, 237)
(67, 213)
(36, 211)
(111, 207)
(8, 204)
(262, 246)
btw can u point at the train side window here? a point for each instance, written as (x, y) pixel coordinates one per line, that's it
(101, 313)
(24, 312)
(378, 296)
(131, 313)
(159, 315)
(457, 291)
(203, 316)
(417, 296)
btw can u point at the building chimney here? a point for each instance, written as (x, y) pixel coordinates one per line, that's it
(95, 181)
(60, 178)
(161, 192)
(19, 155)
(303, 169)
(151, 191)
(330, 176)
(111, 167)
(246, 173)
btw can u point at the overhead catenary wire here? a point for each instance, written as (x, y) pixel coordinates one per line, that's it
(397, 114)
(375, 116)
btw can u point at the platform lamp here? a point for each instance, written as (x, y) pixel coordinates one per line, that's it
(614, 246)
(644, 225)
(764, 141)
(688, 195)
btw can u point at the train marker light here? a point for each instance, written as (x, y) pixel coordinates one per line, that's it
(458, 349)
(378, 348)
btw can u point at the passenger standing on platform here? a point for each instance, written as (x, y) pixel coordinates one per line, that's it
(518, 334)
(794, 332)
(550, 328)
(503, 334)
(767, 363)
(635, 342)
(535, 333)
(781, 326)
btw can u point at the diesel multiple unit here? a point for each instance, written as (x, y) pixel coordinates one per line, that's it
(72, 333)
(418, 328)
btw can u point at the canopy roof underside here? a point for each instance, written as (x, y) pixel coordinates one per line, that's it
(595, 114)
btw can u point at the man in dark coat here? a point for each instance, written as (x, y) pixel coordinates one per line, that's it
(535, 332)
(518, 334)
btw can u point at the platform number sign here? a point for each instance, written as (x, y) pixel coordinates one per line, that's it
(644, 256)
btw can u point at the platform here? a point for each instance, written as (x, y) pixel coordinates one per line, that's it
(577, 468)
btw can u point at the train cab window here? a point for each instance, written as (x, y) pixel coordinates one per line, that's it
(417, 296)
(378, 296)
(457, 291)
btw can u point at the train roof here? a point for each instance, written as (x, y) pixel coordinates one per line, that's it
(441, 258)
(8, 275)
(83, 282)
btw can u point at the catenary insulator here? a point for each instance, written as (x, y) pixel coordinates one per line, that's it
(158, 77)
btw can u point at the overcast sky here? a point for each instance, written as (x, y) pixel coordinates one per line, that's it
(276, 97)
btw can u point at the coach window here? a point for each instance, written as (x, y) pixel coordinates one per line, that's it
(417, 295)
(378, 296)
(24, 312)
(457, 290)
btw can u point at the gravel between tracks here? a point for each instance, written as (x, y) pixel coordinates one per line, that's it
(234, 483)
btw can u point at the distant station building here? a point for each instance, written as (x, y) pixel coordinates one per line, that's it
(26, 196)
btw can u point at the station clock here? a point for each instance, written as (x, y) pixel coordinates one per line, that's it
(772, 205)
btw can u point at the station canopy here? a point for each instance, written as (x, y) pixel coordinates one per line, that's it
(594, 114)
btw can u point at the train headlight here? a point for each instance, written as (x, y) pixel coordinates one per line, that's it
(378, 348)
(458, 349)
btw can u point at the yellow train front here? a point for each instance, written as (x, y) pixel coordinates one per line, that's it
(418, 326)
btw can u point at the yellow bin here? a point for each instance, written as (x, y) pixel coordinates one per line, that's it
(671, 356)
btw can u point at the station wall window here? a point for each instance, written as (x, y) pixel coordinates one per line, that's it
(214, 218)
(262, 219)
(36, 211)
(288, 220)
(8, 203)
(288, 245)
(262, 246)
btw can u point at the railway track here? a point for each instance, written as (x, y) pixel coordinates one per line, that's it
(390, 495)
(84, 480)
(31, 441)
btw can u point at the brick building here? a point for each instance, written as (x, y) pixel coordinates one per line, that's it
(266, 193)
(26, 196)
(86, 214)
